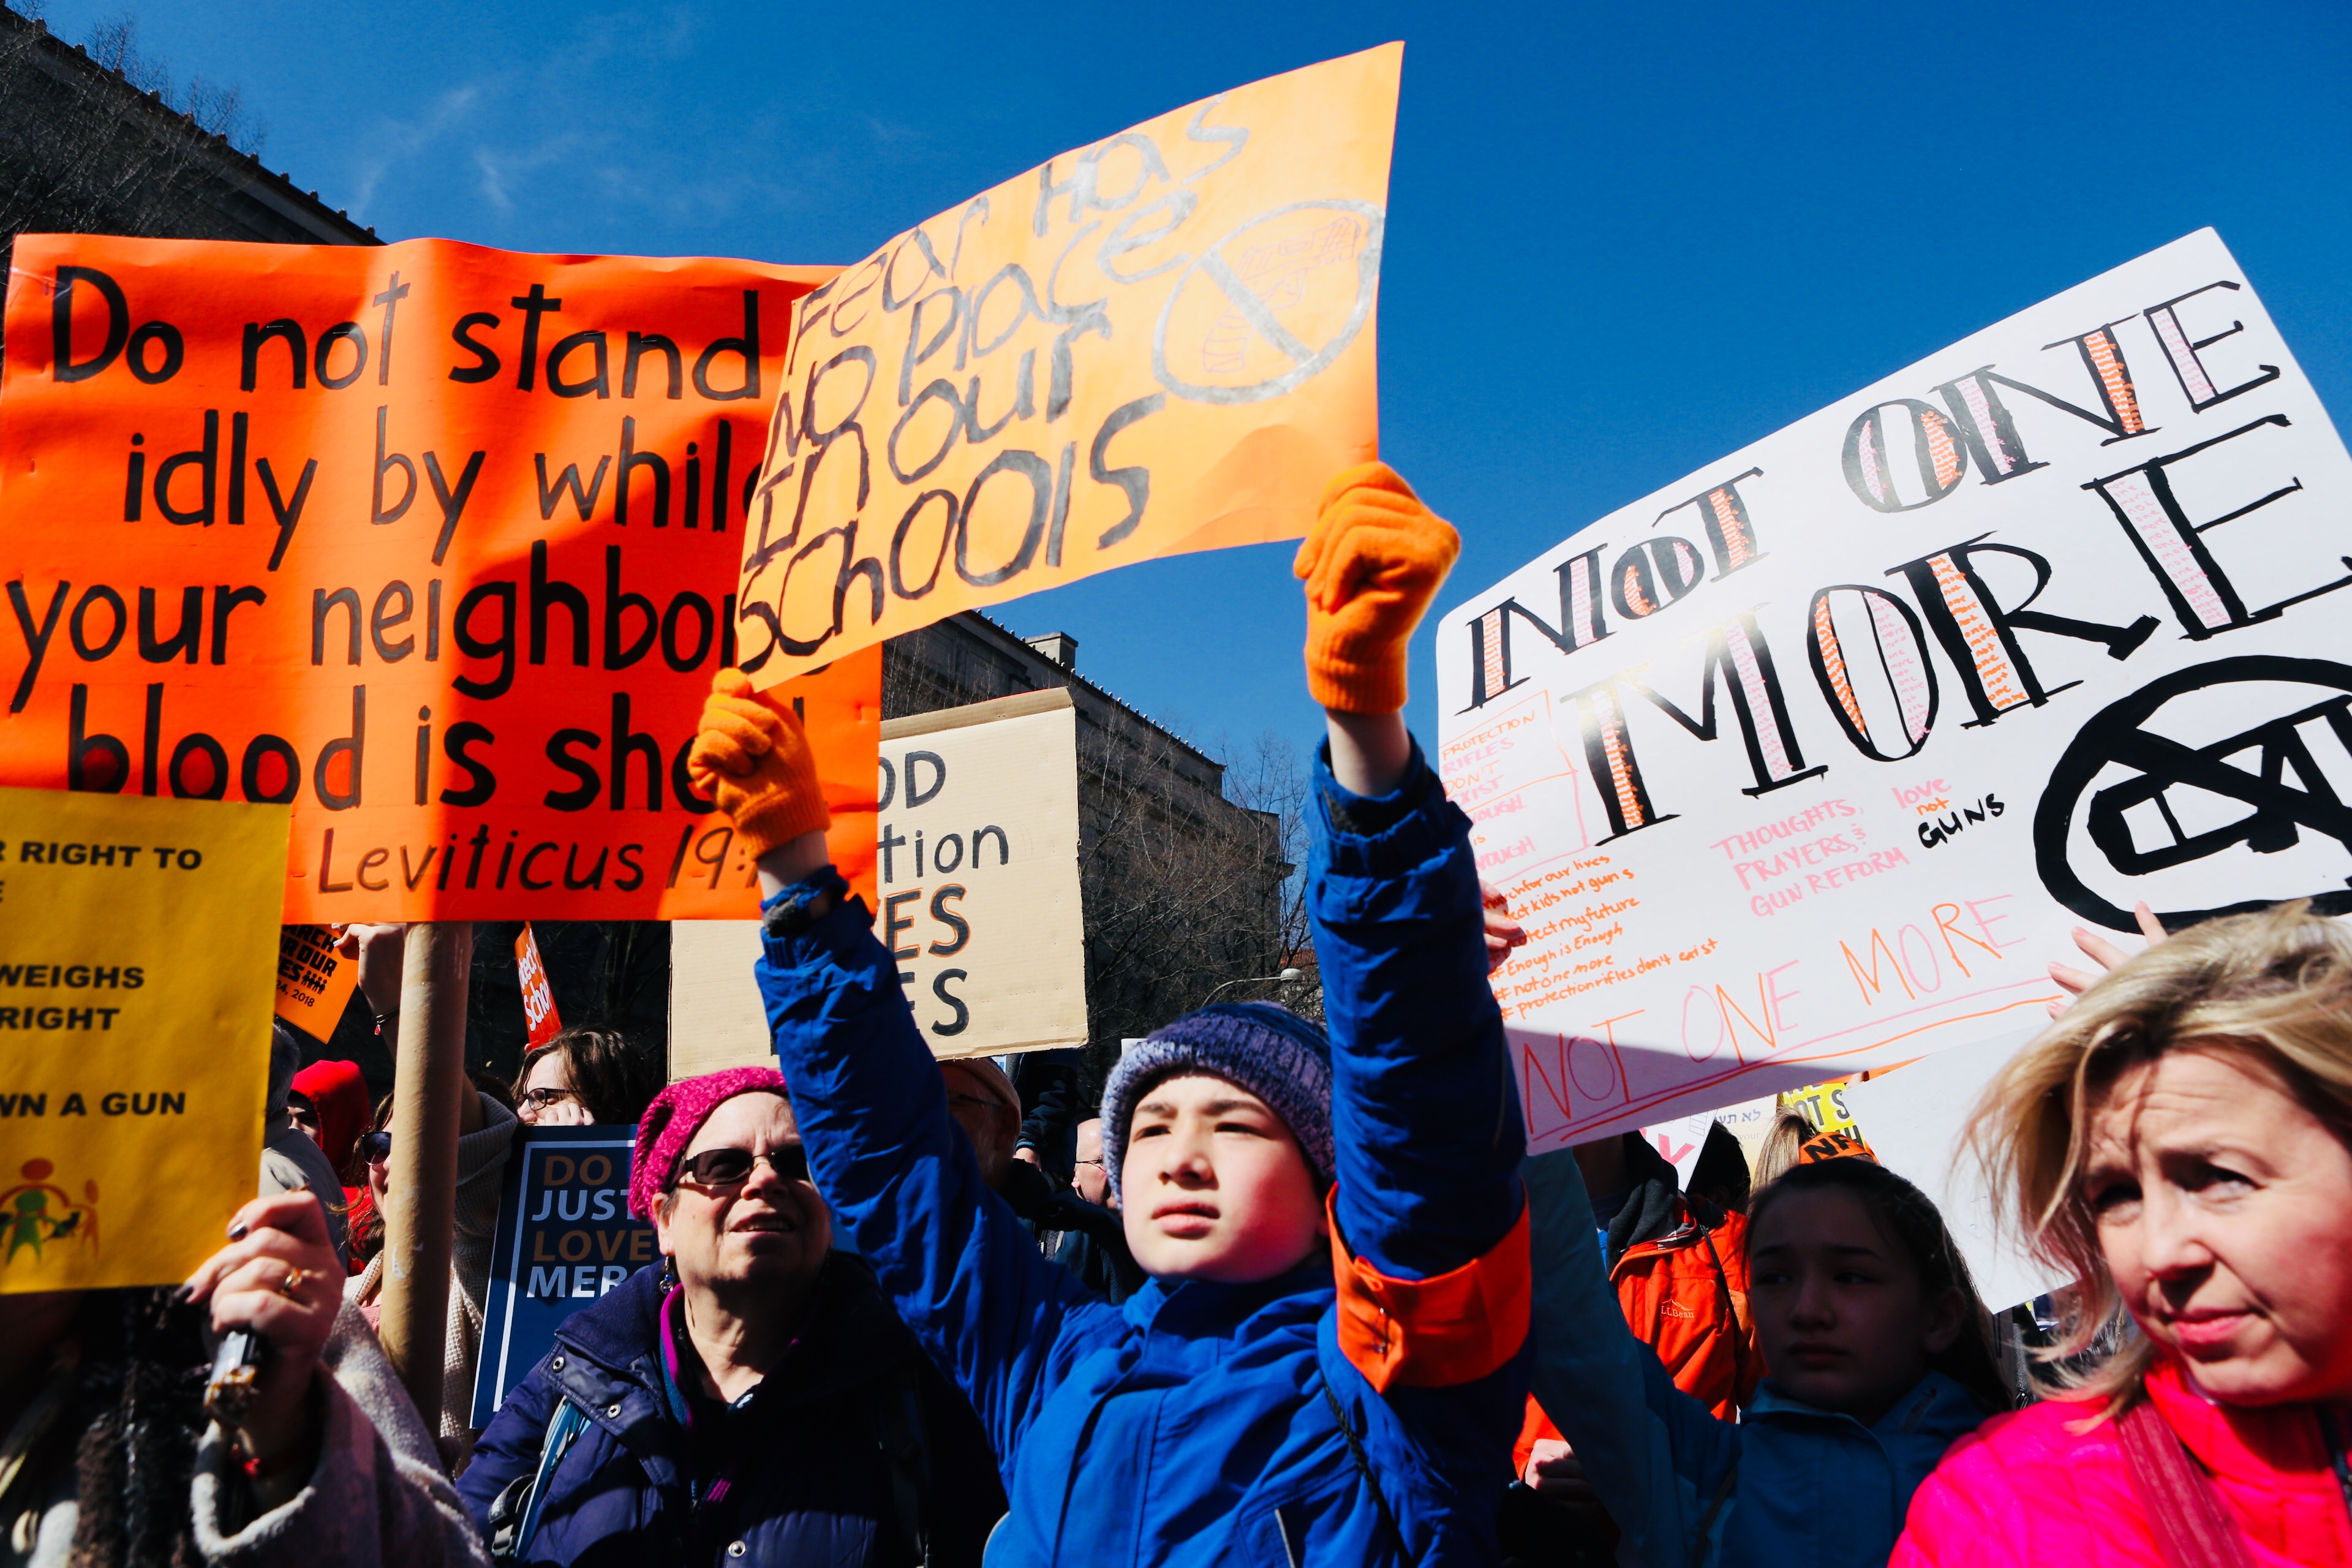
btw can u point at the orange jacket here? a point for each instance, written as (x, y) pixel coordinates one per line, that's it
(1685, 1294)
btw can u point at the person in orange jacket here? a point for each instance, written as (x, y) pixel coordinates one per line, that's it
(1680, 1269)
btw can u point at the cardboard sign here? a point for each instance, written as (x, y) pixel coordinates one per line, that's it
(539, 1016)
(564, 1237)
(978, 873)
(716, 1020)
(137, 940)
(1807, 764)
(1157, 343)
(977, 895)
(432, 542)
(313, 981)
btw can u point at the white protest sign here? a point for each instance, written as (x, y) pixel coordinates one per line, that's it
(1807, 764)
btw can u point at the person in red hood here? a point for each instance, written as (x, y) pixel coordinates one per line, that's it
(2181, 1142)
(330, 1101)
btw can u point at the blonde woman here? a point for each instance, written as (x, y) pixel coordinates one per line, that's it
(2181, 1142)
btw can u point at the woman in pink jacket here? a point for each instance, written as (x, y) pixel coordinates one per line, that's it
(2181, 1142)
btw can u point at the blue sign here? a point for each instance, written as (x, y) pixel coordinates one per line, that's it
(564, 1239)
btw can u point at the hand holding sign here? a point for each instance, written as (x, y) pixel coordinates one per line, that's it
(754, 760)
(277, 1277)
(1371, 564)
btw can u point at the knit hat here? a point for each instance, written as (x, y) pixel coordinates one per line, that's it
(338, 1092)
(674, 1118)
(1268, 1051)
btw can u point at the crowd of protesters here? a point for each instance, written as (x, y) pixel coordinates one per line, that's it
(1295, 1295)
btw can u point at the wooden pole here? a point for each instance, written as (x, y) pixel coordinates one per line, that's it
(421, 1188)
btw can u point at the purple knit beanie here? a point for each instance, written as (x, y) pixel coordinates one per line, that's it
(674, 1118)
(1266, 1050)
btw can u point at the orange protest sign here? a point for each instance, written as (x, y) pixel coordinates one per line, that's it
(1157, 343)
(433, 541)
(539, 1014)
(313, 981)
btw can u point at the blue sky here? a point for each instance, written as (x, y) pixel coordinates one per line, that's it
(1622, 240)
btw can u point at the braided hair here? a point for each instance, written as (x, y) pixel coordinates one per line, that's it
(143, 1368)
(1909, 1218)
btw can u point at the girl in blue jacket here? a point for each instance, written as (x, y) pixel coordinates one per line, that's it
(1880, 1360)
(1323, 1366)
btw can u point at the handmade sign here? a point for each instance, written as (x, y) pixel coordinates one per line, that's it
(432, 541)
(977, 895)
(313, 980)
(1159, 342)
(564, 1237)
(541, 1021)
(1807, 764)
(137, 1050)
(979, 874)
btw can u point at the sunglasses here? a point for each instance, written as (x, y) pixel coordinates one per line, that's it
(375, 1148)
(733, 1167)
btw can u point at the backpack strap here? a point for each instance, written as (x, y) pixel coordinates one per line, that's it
(514, 1512)
(1364, 1468)
(1704, 1542)
(2184, 1510)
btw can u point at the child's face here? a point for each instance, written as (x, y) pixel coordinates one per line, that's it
(1213, 1185)
(1838, 1306)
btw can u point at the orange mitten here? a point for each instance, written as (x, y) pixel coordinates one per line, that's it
(1372, 563)
(752, 757)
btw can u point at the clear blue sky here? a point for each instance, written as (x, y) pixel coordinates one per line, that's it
(1623, 241)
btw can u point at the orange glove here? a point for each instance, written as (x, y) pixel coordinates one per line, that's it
(1371, 564)
(752, 758)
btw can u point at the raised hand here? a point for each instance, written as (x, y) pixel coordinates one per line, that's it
(2103, 952)
(753, 759)
(1371, 564)
(1504, 934)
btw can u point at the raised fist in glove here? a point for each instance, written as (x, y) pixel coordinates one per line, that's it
(752, 758)
(1371, 564)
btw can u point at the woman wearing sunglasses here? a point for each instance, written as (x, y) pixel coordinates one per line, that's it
(752, 1399)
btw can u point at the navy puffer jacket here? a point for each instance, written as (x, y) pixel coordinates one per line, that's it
(798, 1474)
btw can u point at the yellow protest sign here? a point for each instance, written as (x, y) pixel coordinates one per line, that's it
(1157, 343)
(137, 941)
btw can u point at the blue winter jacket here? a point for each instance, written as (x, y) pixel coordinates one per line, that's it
(792, 1475)
(1786, 1484)
(1199, 1422)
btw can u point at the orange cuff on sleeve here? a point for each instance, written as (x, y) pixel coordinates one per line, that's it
(1454, 1328)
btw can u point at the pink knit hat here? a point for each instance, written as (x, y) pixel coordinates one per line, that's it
(674, 1118)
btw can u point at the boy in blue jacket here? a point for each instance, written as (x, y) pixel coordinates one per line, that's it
(1325, 1364)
